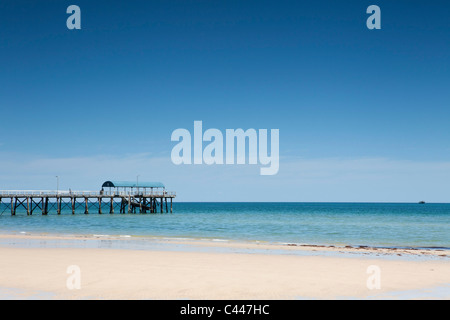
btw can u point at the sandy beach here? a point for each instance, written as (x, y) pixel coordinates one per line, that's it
(33, 267)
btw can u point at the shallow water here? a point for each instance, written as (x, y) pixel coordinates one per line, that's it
(372, 224)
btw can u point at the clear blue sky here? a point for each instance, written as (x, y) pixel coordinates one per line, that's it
(375, 102)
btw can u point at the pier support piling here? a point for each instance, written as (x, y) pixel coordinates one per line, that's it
(46, 206)
(58, 205)
(86, 210)
(111, 208)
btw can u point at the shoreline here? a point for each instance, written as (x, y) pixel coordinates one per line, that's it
(35, 266)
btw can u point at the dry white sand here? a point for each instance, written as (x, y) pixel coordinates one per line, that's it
(147, 274)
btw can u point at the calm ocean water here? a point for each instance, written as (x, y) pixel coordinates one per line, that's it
(373, 224)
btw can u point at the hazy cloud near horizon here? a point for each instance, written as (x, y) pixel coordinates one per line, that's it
(328, 179)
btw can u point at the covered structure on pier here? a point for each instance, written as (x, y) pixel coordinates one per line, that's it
(127, 186)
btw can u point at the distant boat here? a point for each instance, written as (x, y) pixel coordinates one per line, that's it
(421, 202)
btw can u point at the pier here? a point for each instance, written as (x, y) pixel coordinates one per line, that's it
(127, 197)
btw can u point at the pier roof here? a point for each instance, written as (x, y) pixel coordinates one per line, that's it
(128, 184)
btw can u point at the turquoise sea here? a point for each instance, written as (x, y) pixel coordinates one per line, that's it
(371, 224)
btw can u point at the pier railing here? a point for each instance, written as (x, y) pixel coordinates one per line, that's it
(65, 193)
